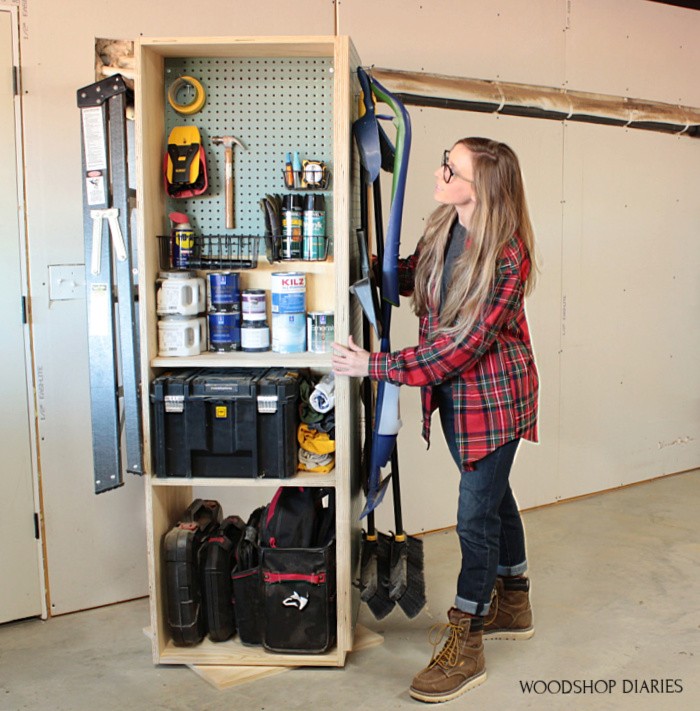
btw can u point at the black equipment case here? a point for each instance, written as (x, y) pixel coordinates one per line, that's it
(183, 571)
(219, 557)
(227, 423)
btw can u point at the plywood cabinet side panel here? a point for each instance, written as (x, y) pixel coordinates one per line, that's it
(345, 442)
(151, 208)
(165, 507)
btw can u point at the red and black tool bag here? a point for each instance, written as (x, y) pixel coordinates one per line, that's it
(299, 592)
(246, 584)
(183, 571)
(298, 570)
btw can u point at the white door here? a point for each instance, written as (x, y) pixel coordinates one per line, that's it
(20, 579)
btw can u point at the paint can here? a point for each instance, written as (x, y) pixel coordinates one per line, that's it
(224, 291)
(288, 292)
(289, 333)
(314, 246)
(320, 331)
(181, 335)
(180, 294)
(255, 336)
(253, 305)
(224, 332)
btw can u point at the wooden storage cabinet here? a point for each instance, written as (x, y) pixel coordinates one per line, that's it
(327, 289)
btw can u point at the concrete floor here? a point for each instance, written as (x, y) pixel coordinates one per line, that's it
(615, 590)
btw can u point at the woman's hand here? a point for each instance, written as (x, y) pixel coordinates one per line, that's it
(351, 360)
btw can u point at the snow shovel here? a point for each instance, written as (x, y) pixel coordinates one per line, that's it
(364, 288)
(366, 131)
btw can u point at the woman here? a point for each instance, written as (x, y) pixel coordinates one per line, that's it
(474, 363)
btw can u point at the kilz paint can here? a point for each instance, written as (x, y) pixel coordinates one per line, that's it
(253, 305)
(224, 291)
(288, 292)
(289, 333)
(224, 332)
(320, 331)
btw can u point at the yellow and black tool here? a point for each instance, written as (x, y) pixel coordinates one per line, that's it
(185, 169)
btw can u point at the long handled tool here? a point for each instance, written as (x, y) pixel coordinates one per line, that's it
(406, 576)
(376, 547)
(228, 142)
(405, 583)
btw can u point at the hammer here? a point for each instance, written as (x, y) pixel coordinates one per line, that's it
(227, 142)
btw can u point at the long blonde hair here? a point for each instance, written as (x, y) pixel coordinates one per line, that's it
(500, 212)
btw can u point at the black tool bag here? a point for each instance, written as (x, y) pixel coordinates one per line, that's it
(219, 556)
(183, 571)
(298, 571)
(245, 579)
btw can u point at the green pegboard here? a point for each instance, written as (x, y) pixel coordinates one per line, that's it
(273, 106)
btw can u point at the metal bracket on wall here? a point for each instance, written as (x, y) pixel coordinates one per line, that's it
(110, 283)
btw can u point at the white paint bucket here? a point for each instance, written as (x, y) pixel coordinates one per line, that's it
(180, 294)
(289, 333)
(181, 335)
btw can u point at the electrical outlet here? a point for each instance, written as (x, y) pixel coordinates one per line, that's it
(66, 281)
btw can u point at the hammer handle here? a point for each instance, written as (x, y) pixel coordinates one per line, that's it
(228, 154)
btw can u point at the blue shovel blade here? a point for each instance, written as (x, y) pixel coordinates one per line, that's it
(375, 496)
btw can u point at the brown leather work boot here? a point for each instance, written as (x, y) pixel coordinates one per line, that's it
(510, 614)
(459, 666)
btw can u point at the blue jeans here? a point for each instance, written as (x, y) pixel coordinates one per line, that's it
(489, 527)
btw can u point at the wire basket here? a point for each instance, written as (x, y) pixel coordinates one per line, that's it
(210, 252)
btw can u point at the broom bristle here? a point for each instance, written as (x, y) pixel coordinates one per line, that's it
(414, 599)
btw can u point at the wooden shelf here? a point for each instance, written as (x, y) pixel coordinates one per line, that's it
(237, 359)
(300, 479)
(234, 653)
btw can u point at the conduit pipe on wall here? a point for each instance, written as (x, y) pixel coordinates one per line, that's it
(509, 99)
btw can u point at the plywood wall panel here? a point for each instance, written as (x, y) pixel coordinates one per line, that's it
(632, 48)
(629, 405)
(506, 39)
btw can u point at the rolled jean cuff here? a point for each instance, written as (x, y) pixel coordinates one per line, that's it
(471, 607)
(511, 570)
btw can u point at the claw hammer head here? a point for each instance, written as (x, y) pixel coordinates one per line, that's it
(226, 141)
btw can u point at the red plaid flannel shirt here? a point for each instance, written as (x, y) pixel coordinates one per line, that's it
(494, 377)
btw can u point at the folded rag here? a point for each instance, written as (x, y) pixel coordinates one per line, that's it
(310, 462)
(322, 399)
(313, 441)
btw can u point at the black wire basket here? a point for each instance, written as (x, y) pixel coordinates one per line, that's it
(210, 252)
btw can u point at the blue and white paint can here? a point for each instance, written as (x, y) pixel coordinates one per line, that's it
(289, 333)
(288, 291)
(224, 332)
(224, 291)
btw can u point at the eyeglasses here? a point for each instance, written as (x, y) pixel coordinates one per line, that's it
(447, 172)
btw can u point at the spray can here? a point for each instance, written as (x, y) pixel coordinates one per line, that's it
(292, 224)
(182, 240)
(314, 228)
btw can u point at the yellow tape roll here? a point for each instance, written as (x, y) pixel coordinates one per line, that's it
(199, 98)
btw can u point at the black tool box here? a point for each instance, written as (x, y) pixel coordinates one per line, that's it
(183, 570)
(226, 423)
(218, 561)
